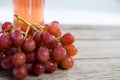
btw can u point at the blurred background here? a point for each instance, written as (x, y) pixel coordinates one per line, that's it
(76, 12)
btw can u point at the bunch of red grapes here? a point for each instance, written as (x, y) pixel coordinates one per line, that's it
(36, 50)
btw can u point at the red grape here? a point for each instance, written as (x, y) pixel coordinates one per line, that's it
(17, 37)
(37, 37)
(51, 66)
(5, 41)
(58, 53)
(19, 58)
(6, 63)
(1, 68)
(29, 67)
(67, 63)
(39, 68)
(71, 50)
(20, 72)
(29, 45)
(7, 26)
(59, 34)
(48, 39)
(43, 54)
(30, 57)
(2, 56)
(11, 50)
(68, 38)
(54, 28)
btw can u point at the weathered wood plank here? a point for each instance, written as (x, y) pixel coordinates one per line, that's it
(98, 49)
(65, 26)
(91, 69)
(98, 57)
(96, 60)
(94, 34)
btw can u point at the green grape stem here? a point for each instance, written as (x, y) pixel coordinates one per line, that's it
(27, 23)
(23, 20)
(43, 27)
(58, 39)
(26, 33)
(19, 48)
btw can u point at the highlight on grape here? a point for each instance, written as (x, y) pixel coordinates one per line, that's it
(35, 50)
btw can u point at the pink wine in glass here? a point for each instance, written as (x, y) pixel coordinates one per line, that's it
(30, 10)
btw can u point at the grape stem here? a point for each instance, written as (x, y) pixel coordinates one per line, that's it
(26, 22)
(58, 39)
(15, 23)
(26, 33)
(19, 18)
(19, 48)
(43, 27)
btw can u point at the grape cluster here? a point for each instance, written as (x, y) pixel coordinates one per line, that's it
(36, 50)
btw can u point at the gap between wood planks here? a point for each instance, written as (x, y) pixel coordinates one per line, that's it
(97, 58)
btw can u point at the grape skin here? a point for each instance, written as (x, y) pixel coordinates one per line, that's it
(19, 59)
(20, 73)
(58, 53)
(54, 28)
(2, 56)
(43, 54)
(29, 67)
(37, 37)
(39, 68)
(48, 39)
(6, 26)
(67, 63)
(71, 50)
(51, 66)
(5, 41)
(30, 57)
(11, 50)
(67, 38)
(29, 45)
(6, 63)
(17, 37)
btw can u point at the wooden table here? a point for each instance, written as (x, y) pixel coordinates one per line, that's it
(98, 57)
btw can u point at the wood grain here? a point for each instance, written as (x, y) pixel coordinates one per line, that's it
(98, 57)
(100, 69)
(86, 69)
(95, 34)
(98, 49)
